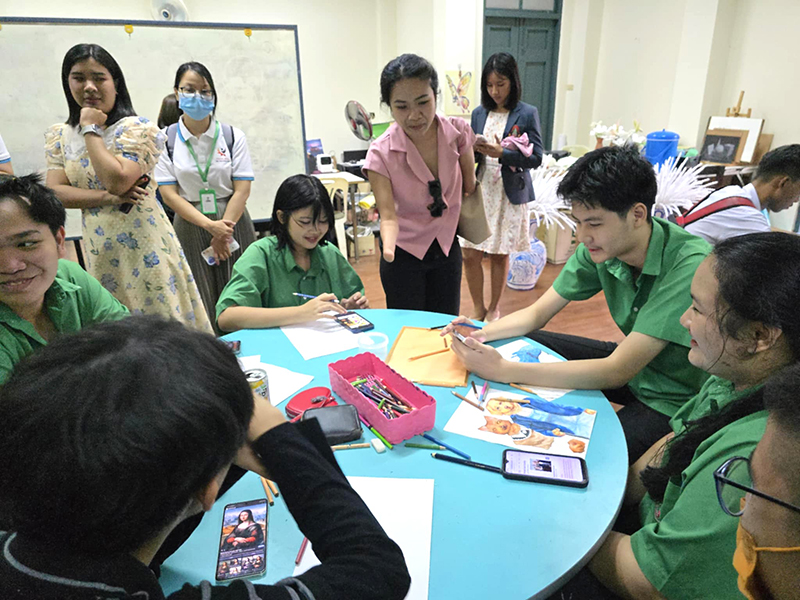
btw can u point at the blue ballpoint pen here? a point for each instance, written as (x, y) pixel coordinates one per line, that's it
(309, 297)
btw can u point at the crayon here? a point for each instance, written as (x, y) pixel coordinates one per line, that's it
(440, 443)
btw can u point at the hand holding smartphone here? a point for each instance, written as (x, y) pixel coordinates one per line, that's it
(142, 182)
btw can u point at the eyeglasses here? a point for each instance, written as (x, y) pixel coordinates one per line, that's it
(205, 94)
(436, 208)
(734, 480)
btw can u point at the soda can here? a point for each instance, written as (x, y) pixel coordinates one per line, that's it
(257, 378)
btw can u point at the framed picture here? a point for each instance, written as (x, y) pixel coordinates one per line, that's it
(752, 126)
(723, 146)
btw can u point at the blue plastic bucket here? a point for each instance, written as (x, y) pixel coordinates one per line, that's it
(660, 146)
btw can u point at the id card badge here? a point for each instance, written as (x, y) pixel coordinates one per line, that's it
(208, 202)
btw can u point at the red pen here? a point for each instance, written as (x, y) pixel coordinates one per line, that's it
(301, 551)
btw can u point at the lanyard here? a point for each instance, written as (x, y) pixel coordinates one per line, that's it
(204, 174)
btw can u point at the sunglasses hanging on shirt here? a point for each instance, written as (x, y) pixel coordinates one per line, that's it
(436, 207)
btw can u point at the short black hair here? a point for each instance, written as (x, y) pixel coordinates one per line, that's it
(298, 192)
(123, 107)
(504, 65)
(170, 112)
(613, 178)
(38, 201)
(201, 70)
(111, 431)
(784, 160)
(407, 66)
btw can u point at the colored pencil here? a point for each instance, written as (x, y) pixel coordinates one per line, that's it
(514, 400)
(267, 492)
(273, 487)
(378, 435)
(430, 438)
(429, 354)
(484, 391)
(470, 325)
(521, 387)
(467, 400)
(467, 463)
(349, 446)
(474, 389)
(302, 551)
(424, 446)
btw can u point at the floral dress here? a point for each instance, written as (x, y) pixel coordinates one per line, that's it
(135, 256)
(508, 222)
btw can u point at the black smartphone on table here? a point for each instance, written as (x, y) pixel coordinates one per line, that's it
(243, 540)
(353, 322)
(545, 468)
(142, 182)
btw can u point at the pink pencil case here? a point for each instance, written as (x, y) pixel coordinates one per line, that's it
(395, 430)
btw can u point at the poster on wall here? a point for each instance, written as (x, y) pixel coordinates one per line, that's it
(458, 102)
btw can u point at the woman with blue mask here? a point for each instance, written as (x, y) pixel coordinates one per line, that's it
(204, 176)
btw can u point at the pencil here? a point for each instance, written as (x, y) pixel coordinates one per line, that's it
(302, 550)
(441, 443)
(424, 446)
(267, 492)
(273, 487)
(467, 400)
(474, 389)
(373, 430)
(514, 400)
(429, 354)
(484, 391)
(468, 463)
(310, 297)
(349, 446)
(521, 387)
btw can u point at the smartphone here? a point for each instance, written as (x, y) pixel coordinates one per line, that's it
(208, 253)
(545, 468)
(141, 182)
(234, 345)
(243, 540)
(354, 322)
(481, 139)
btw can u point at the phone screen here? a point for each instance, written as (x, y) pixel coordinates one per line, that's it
(354, 321)
(243, 540)
(544, 466)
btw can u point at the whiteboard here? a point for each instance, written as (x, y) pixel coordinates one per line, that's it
(257, 80)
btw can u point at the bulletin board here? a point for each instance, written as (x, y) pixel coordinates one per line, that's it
(257, 79)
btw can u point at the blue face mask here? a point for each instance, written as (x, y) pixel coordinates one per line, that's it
(195, 106)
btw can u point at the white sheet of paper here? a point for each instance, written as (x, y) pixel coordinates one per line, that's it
(283, 383)
(320, 338)
(411, 530)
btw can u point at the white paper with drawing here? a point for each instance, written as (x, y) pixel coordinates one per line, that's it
(320, 338)
(410, 528)
(283, 383)
(536, 424)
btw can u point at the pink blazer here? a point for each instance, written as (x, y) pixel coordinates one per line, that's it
(395, 156)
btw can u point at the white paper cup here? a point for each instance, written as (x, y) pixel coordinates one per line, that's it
(375, 342)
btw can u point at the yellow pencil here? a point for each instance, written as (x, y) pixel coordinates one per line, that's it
(267, 492)
(467, 400)
(430, 354)
(273, 487)
(523, 388)
(349, 446)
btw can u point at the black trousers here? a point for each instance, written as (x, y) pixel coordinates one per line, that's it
(642, 425)
(432, 284)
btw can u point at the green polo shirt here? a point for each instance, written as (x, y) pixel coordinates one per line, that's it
(266, 277)
(75, 300)
(685, 546)
(651, 304)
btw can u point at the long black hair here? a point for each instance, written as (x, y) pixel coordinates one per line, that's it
(759, 281)
(298, 192)
(504, 65)
(80, 52)
(201, 70)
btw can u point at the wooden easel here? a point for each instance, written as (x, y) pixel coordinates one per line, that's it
(736, 111)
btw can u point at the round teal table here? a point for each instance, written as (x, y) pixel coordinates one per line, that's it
(491, 537)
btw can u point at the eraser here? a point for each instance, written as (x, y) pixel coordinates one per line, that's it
(378, 446)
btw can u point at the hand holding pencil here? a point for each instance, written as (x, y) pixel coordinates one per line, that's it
(465, 327)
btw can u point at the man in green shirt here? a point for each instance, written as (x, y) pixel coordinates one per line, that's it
(645, 267)
(40, 295)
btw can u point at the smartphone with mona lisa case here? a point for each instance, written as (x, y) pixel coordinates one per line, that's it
(243, 540)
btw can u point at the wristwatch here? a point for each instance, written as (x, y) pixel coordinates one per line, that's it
(92, 129)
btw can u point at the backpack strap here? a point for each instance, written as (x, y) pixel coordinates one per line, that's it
(227, 133)
(692, 215)
(172, 131)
